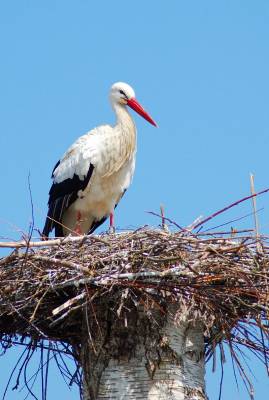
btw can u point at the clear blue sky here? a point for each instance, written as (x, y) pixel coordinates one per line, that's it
(199, 67)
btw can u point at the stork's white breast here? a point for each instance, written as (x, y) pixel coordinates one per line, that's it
(104, 192)
(112, 153)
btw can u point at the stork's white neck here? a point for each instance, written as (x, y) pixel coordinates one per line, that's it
(123, 116)
(123, 145)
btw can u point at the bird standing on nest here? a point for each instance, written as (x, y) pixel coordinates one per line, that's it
(94, 173)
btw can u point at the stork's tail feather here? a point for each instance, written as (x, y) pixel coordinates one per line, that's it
(95, 224)
(47, 229)
(50, 224)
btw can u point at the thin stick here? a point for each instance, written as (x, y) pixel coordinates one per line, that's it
(64, 263)
(164, 226)
(52, 242)
(169, 220)
(231, 221)
(230, 206)
(252, 189)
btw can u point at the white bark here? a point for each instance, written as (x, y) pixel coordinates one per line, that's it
(165, 365)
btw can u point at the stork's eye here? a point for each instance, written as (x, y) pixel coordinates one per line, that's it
(122, 92)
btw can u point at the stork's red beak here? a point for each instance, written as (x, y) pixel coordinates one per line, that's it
(133, 103)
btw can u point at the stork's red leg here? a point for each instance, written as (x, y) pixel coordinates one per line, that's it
(111, 223)
(77, 226)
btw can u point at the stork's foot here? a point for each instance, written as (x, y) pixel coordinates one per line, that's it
(111, 228)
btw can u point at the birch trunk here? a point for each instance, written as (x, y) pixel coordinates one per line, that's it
(145, 361)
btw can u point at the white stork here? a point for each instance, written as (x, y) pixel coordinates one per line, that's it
(94, 173)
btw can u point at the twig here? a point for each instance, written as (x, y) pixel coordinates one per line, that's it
(68, 303)
(252, 188)
(168, 219)
(164, 226)
(52, 242)
(230, 222)
(64, 263)
(229, 206)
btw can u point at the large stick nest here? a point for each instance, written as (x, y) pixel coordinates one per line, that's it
(221, 280)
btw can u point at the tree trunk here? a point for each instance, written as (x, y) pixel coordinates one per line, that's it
(146, 358)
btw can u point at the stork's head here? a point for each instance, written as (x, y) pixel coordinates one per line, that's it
(121, 93)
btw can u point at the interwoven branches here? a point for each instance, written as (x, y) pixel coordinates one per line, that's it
(222, 281)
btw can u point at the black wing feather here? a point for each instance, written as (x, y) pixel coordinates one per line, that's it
(61, 196)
